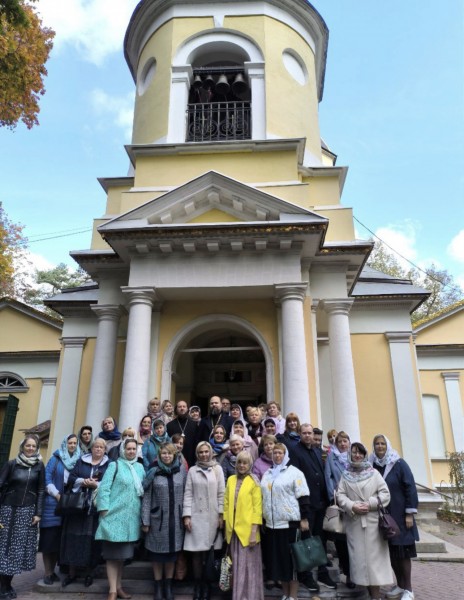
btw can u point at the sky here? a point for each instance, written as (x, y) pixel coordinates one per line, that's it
(393, 112)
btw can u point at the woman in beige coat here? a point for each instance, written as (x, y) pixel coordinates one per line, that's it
(358, 490)
(203, 512)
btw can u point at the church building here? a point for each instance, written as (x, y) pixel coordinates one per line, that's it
(225, 262)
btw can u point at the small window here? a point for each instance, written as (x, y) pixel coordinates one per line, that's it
(9, 382)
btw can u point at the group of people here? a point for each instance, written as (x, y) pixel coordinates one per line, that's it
(183, 484)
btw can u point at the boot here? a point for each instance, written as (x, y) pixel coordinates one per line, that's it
(168, 590)
(197, 590)
(158, 595)
(207, 592)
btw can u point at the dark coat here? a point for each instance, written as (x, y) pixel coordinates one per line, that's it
(309, 461)
(284, 438)
(162, 511)
(189, 428)
(403, 492)
(23, 486)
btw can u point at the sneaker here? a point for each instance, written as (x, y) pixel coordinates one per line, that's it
(308, 582)
(326, 580)
(394, 592)
(48, 580)
(407, 595)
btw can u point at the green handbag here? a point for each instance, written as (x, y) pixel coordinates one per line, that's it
(307, 553)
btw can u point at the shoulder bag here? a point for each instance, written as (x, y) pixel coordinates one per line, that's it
(212, 565)
(333, 518)
(387, 525)
(71, 504)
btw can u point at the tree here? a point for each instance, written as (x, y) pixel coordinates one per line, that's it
(444, 291)
(12, 247)
(25, 46)
(50, 281)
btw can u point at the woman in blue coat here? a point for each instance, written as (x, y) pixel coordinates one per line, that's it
(403, 506)
(119, 504)
(56, 477)
(151, 446)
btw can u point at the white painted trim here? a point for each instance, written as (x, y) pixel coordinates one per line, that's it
(47, 396)
(453, 395)
(207, 323)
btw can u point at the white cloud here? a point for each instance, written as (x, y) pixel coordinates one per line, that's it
(28, 263)
(95, 28)
(402, 239)
(456, 247)
(120, 108)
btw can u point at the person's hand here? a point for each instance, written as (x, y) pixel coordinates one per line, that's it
(103, 513)
(220, 522)
(304, 525)
(188, 524)
(361, 508)
(57, 497)
(253, 541)
(92, 483)
(409, 521)
(145, 528)
(35, 520)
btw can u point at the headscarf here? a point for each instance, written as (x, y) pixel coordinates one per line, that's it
(69, 460)
(166, 418)
(85, 448)
(145, 431)
(110, 435)
(390, 458)
(342, 457)
(205, 464)
(193, 408)
(246, 435)
(358, 471)
(275, 470)
(28, 461)
(218, 447)
(154, 415)
(130, 463)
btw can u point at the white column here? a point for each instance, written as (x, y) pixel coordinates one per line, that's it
(101, 382)
(134, 396)
(255, 73)
(294, 365)
(317, 385)
(453, 394)
(405, 381)
(341, 361)
(46, 399)
(73, 348)
(178, 101)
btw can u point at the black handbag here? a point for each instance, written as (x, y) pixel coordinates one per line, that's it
(387, 525)
(307, 553)
(71, 504)
(212, 565)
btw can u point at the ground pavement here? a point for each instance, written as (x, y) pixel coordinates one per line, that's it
(432, 579)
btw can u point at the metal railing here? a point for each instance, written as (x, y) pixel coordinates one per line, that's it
(218, 121)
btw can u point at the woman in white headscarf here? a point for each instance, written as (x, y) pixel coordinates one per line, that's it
(285, 510)
(403, 506)
(358, 490)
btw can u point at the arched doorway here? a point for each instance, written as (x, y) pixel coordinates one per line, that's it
(218, 354)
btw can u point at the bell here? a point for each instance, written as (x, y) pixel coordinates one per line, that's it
(222, 86)
(208, 83)
(239, 86)
(197, 82)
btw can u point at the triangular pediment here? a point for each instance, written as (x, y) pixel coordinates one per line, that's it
(211, 198)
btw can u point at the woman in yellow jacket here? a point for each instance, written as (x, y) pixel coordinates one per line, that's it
(243, 515)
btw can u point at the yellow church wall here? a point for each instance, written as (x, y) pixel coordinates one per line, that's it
(28, 410)
(433, 384)
(118, 375)
(323, 190)
(134, 199)
(447, 330)
(22, 333)
(375, 389)
(113, 200)
(155, 101)
(247, 167)
(341, 225)
(97, 242)
(293, 193)
(261, 313)
(440, 472)
(215, 216)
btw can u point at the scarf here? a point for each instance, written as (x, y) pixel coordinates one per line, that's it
(85, 448)
(130, 464)
(246, 435)
(358, 471)
(28, 461)
(110, 435)
(159, 439)
(391, 456)
(145, 431)
(164, 469)
(342, 457)
(275, 470)
(69, 460)
(205, 464)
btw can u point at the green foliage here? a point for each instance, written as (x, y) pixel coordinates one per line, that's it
(444, 291)
(51, 281)
(454, 511)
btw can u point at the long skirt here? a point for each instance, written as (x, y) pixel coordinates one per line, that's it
(277, 555)
(18, 539)
(247, 571)
(79, 547)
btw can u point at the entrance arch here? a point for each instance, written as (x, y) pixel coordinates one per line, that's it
(211, 323)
